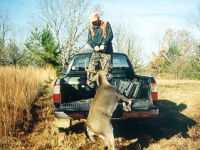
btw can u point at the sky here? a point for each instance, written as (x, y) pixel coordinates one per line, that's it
(151, 18)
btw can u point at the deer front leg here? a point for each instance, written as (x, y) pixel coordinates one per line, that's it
(123, 98)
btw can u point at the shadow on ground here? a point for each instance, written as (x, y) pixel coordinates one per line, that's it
(168, 123)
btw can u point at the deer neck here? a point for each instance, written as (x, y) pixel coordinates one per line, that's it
(102, 79)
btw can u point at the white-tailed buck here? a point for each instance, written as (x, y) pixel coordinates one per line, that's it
(102, 107)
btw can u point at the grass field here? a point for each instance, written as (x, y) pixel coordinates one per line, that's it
(27, 122)
(19, 90)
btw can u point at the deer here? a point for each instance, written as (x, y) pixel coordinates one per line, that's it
(103, 105)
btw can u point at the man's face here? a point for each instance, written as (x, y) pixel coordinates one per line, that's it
(96, 23)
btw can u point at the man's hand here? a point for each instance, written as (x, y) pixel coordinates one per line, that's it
(102, 47)
(96, 48)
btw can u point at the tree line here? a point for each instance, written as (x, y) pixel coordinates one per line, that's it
(57, 32)
(178, 56)
(60, 30)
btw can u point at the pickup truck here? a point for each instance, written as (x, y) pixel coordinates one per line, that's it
(72, 97)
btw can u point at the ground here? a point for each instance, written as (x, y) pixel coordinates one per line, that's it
(176, 127)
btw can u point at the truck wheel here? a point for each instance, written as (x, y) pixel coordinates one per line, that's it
(63, 123)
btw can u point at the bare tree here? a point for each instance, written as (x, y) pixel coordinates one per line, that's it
(68, 20)
(5, 27)
(126, 41)
(194, 19)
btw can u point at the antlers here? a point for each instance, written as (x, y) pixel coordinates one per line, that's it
(87, 70)
(103, 64)
(105, 61)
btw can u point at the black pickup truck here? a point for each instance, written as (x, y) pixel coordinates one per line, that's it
(72, 97)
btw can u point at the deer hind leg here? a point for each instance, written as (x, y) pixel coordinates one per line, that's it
(109, 138)
(90, 134)
(110, 141)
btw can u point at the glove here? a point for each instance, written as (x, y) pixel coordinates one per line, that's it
(102, 47)
(96, 48)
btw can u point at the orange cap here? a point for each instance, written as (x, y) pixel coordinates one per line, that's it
(94, 17)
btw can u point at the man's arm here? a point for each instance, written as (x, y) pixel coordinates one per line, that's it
(90, 41)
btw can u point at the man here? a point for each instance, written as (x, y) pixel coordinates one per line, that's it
(100, 39)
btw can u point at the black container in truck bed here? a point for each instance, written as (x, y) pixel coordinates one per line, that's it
(72, 97)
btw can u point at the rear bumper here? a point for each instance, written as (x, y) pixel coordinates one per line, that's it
(71, 115)
(62, 114)
(140, 113)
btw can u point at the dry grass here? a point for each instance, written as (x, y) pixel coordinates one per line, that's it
(19, 88)
(183, 97)
(176, 127)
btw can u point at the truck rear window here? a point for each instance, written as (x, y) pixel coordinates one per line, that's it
(119, 62)
(79, 63)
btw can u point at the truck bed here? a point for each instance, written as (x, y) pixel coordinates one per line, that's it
(72, 97)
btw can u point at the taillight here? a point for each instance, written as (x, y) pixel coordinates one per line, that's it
(154, 91)
(56, 91)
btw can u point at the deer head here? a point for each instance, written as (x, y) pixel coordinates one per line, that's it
(103, 64)
(99, 76)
